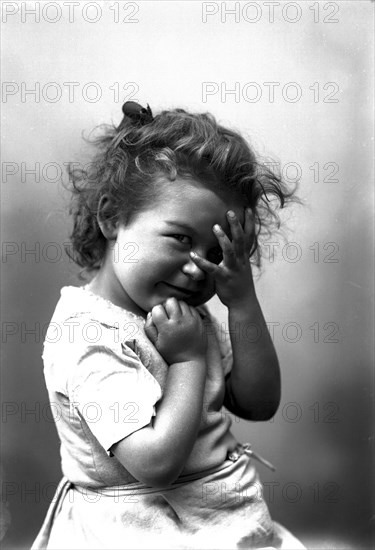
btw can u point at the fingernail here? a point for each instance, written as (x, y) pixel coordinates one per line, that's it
(231, 214)
(216, 227)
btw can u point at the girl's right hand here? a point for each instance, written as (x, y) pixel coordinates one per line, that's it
(177, 331)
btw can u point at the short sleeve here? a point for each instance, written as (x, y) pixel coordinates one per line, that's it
(113, 392)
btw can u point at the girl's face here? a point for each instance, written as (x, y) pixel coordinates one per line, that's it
(150, 261)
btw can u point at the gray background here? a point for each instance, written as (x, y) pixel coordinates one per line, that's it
(165, 52)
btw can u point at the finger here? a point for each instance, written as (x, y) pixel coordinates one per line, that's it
(238, 239)
(249, 230)
(185, 309)
(150, 329)
(208, 267)
(172, 307)
(159, 315)
(229, 256)
(195, 313)
(189, 309)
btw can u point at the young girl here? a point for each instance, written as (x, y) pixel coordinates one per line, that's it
(167, 215)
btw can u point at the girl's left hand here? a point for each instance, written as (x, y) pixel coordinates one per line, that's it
(233, 277)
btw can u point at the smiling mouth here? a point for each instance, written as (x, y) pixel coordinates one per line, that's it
(180, 290)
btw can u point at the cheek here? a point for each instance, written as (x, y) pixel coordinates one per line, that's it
(150, 269)
(164, 259)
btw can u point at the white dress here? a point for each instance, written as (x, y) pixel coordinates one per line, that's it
(104, 378)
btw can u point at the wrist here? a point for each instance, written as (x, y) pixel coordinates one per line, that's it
(186, 375)
(244, 304)
(193, 361)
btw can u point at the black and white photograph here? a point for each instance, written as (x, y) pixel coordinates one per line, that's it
(187, 275)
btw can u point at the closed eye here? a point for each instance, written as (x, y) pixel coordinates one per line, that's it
(184, 239)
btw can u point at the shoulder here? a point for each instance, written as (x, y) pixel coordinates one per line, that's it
(93, 316)
(84, 325)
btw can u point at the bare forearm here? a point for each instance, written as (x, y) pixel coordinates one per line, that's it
(156, 454)
(179, 413)
(254, 384)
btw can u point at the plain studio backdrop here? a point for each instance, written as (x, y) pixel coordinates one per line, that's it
(297, 79)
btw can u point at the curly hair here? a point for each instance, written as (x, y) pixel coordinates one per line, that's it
(130, 158)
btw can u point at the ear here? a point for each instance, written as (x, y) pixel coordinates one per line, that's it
(106, 221)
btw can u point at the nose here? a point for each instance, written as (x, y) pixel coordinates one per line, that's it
(193, 271)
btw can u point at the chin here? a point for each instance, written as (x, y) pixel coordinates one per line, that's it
(196, 301)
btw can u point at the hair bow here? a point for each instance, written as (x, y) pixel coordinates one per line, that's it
(137, 113)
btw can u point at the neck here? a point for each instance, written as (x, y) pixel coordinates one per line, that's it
(107, 286)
